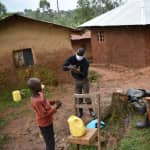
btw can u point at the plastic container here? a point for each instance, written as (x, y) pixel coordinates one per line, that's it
(16, 95)
(76, 126)
(93, 124)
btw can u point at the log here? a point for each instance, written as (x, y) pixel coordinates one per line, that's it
(119, 108)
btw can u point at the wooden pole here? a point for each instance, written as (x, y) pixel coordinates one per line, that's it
(147, 99)
(78, 147)
(98, 127)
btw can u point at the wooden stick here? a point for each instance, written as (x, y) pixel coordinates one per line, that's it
(147, 99)
(78, 147)
(98, 127)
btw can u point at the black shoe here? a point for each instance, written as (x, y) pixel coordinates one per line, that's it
(143, 124)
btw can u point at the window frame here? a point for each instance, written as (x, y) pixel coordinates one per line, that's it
(16, 63)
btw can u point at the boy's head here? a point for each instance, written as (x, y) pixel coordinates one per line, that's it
(35, 85)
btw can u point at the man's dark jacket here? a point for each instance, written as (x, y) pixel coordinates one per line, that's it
(82, 65)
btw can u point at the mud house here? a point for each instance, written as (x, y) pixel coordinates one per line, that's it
(121, 36)
(82, 40)
(26, 42)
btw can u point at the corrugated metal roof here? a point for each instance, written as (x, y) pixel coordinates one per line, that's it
(134, 12)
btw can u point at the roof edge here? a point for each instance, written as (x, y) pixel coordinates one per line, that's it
(38, 20)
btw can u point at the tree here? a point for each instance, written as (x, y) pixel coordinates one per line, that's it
(88, 9)
(57, 6)
(84, 11)
(2, 9)
(106, 5)
(44, 5)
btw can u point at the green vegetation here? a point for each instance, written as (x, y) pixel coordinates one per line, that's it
(2, 123)
(3, 140)
(84, 147)
(6, 101)
(46, 75)
(85, 10)
(94, 76)
(136, 139)
(25, 93)
(2, 9)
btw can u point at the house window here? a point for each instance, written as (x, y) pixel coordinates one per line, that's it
(23, 57)
(101, 36)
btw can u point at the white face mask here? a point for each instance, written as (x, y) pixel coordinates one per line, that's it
(79, 58)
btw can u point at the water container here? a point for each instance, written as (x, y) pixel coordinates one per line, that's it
(16, 95)
(93, 124)
(76, 126)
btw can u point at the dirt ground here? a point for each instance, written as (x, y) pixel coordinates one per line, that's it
(22, 131)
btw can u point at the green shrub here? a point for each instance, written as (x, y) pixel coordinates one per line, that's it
(3, 140)
(2, 123)
(46, 75)
(93, 76)
(25, 93)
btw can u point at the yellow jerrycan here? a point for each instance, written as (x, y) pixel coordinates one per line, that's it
(16, 95)
(76, 126)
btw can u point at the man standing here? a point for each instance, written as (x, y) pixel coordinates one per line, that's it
(78, 65)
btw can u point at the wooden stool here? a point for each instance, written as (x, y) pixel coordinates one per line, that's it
(87, 139)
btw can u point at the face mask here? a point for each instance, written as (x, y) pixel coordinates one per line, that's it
(79, 58)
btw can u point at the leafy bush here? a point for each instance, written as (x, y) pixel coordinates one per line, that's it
(93, 76)
(25, 93)
(2, 122)
(3, 140)
(46, 75)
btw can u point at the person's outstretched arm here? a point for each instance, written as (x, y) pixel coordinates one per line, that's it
(67, 63)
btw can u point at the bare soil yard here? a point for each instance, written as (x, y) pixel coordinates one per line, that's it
(21, 128)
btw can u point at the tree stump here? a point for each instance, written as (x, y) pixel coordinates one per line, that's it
(120, 110)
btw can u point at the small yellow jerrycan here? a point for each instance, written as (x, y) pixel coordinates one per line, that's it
(76, 126)
(16, 95)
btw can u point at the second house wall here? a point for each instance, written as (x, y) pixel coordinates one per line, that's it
(120, 46)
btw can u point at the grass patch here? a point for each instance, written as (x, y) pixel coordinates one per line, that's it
(3, 140)
(136, 139)
(25, 93)
(82, 147)
(6, 99)
(2, 123)
(94, 76)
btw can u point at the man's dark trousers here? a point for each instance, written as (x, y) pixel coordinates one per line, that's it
(82, 86)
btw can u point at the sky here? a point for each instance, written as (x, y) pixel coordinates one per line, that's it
(20, 5)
